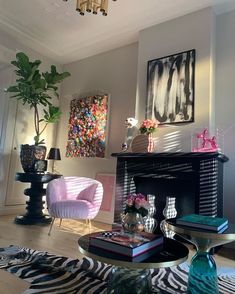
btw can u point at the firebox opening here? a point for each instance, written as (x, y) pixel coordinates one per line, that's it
(183, 190)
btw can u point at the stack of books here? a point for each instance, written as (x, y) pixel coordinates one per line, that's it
(215, 224)
(134, 247)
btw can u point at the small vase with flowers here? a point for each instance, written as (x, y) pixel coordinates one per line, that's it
(144, 142)
(136, 209)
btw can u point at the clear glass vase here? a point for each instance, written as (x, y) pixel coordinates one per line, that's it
(169, 212)
(150, 223)
(132, 222)
(203, 269)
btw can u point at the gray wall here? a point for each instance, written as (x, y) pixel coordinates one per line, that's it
(213, 37)
(225, 105)
(122, 74)
(193, 31)
(113, 72)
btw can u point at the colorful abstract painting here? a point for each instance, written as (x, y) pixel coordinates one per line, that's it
(87, 127)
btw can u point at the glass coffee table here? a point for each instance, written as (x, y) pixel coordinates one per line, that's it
(135, 277)
(203, 266)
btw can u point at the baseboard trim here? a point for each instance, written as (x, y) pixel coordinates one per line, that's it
(13, 210)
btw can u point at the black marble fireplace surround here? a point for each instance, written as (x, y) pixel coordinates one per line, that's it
(195, 179)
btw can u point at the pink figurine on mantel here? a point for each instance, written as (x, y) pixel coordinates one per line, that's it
(206, 144)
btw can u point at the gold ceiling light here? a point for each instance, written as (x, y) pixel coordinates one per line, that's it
(92, 6)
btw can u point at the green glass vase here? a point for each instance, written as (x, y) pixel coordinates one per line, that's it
(202, 275)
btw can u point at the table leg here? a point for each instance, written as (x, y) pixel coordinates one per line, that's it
(34, 214)
(126, 281)
(203, 275)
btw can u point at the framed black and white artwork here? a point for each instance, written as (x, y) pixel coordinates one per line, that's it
(170, 88)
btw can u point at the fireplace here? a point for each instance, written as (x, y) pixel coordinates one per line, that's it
(194, 179)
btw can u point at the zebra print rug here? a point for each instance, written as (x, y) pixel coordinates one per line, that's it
(48, 273)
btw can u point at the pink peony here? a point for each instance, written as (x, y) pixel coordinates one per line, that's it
(141, 196)
(148, 126)
(137, 203)
(130, 202)
(130, 199)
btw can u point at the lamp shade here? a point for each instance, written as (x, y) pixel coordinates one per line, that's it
(54, 154)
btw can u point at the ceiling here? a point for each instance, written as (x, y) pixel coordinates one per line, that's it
(56, 30)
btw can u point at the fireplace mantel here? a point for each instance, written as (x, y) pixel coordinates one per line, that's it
(196, 178)
(174, 155)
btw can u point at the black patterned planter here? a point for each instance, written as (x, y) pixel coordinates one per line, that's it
(31, 154)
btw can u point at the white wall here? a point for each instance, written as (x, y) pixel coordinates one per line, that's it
(20, 130)
(225, 105)
(24, 115)
(193, 31)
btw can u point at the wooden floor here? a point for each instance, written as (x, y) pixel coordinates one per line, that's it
(63, 241)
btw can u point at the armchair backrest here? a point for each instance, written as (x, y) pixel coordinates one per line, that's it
(56, 191)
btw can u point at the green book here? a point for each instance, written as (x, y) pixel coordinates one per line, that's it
(203, 222)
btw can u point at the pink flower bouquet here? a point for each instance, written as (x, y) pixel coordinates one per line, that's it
(148, 126)
(137, 203)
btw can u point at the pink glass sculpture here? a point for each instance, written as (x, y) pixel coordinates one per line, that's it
(204, 143)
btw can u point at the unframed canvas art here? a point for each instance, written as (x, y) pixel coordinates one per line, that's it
(170, 88)
(87, 127)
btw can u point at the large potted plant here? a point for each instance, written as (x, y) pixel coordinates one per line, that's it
(37, 89)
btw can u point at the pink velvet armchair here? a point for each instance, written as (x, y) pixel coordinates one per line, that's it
(74, 198)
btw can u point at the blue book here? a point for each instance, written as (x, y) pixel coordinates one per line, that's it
(203, 222)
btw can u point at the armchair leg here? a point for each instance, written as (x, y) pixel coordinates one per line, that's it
(52, 222)
(89, 223)
(60, 222)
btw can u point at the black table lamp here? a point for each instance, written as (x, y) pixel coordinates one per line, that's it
(54, 154)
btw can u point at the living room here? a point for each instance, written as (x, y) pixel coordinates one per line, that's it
(120, 70)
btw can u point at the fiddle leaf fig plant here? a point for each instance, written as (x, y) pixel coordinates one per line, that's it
(37, 89)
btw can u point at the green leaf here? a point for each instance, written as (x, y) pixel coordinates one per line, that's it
(42, 142)
(37, 140)
(18, 96)
(52, 115)
(23, 62)
(12, 89)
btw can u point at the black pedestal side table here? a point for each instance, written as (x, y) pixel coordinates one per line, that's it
(34, 214)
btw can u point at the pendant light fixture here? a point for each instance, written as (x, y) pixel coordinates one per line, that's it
(92, 6)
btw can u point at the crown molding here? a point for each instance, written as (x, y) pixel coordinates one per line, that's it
(24, 35)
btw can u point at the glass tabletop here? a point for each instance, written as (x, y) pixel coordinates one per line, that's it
(170, 253)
